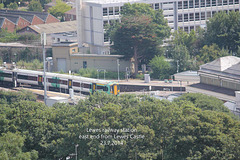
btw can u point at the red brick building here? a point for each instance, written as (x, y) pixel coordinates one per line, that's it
(22, 19)
(6, 24)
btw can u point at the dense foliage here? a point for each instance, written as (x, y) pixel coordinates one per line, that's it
(161, 69)
(59, 9)
(185, 129)
(35, 5)
(140, 32)
(224, 30)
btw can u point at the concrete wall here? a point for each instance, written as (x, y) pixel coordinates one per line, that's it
(230, 84)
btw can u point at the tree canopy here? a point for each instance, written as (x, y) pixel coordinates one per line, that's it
(59, 9)
(187, 128)
(160, 67)
(224, 30)
(140, 32)
(35, 5)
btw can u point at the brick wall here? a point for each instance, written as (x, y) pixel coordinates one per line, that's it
(10, 26)
(51, 19)
(36, 20)
(22, 23)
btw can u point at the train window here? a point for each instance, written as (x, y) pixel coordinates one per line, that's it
(9, 75)
(53, 80)
(84, 85)
(76, 84)
(63, 82)
(32, 78)
(104, 88)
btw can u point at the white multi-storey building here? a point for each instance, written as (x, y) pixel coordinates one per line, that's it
(92, 15)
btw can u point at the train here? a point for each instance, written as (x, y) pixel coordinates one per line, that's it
(56, 82)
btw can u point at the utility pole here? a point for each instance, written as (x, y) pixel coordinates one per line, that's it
(177, 66)
(43, 41)
(118, 68)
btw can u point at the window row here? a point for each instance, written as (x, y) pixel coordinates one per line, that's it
(197, 16)
(189, 28)
(205, 3)
(111, 11)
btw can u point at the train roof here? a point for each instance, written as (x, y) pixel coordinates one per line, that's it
(64, 76)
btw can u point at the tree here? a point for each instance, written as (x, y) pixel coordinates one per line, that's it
(210, 53)
(59, 9)
(140, 32)
(35, 5)
(11, 148)
(187, 128)
(44, 2)
(13, 6)
(160, 67)
(224, 30)
(1, 5)
(181, 57)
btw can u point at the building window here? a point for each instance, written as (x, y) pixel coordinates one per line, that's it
(180, 5)
(202, 15)
(180, 18)
(191, 4)
(213, 12)
(219, 2)
(225, 2)
(230, 2)
(236, 1)
(185, 4)
(196, 3)
(213, 2)
(105, 12)
(191, 28)
(208, 15)
(116, 10)
(196, 16)
(191, 17)
(105, 23)
(105, 37)
(110, 10)
(156, 6)
(185, 17)
(208, 3)
(111, 22)
(84, 64)
(74, 50)
(151, 5)
(186, 29)
(202, 3)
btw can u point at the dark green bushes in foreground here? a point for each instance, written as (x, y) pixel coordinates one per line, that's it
(184, 129)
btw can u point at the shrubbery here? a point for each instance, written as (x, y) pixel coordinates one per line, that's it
(93, 73)
(171, 130)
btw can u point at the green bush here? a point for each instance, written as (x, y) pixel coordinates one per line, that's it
(34, 65)
(161, 68)
(93, 73)
(140, 76)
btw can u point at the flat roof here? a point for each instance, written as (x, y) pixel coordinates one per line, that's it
(57, 27)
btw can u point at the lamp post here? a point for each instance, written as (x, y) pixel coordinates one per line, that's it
(74, 154)
(43, 41)
(118, 68)
(177, 66)
(76, 150)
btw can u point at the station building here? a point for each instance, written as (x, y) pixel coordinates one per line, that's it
(222, 72)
